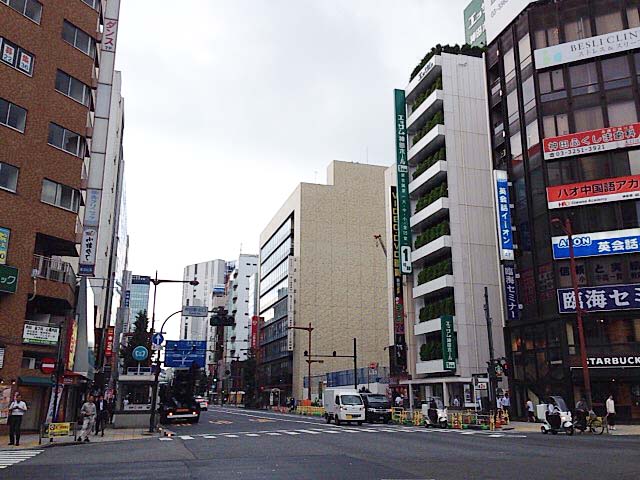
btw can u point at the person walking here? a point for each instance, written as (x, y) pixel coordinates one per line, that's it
(88, 414)
(101, 415)
(611, 413)
(506, 404)
(17, 409)
(530, 412)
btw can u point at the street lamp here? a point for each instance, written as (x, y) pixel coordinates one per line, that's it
(568, 230)
(156, 281)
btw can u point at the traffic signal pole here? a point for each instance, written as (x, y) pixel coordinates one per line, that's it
(491, 370)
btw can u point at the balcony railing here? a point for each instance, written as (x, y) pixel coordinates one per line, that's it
(54, 270)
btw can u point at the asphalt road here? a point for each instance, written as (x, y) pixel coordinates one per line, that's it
(239, 444)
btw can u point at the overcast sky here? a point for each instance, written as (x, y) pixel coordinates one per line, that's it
(229, 104)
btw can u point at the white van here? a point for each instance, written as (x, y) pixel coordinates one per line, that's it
(343, 405)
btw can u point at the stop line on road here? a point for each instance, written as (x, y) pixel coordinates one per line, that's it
(337, 431)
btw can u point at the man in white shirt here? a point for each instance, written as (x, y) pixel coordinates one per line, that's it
(17, 409)
(611, 413)
(530, 411)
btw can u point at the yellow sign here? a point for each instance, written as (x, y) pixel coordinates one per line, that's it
(59, 429)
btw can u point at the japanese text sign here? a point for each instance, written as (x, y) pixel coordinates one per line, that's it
(398, 293)
(598, 191)
(8, 279)
(511, 292)
(88, 249)
(596, 244)
(108, 349)
(402, 163)
(604, 298)
(110, 35)
(449, 348)
(583, 143)
(503, 208)
(4, 244)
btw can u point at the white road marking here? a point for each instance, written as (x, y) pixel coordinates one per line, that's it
(252, 435)
(8, 457)
(166, 439)
(186, 437)
(230, 435)
(309, 431)
(291, 433)
(210, 437)
(273, 434)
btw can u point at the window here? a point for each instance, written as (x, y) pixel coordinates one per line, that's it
(524, 50)
(8, 177)
(615, 72)
(608, 17)
(16, 57)
(92, 3)
(555, 125)
(579, 26)
(528, 94)
(60, 195)
(79, 39)
(552, 85)
(12, 115)
(588, 118)
(584, 78)
(73, 88)
(66, 140)
(29, 8)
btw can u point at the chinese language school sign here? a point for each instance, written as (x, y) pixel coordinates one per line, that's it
(596, 244)
(592, 141)
(8, 279)
(449, 349)
(505, 230)
(604, 298)
(598, 191)
(402, 163)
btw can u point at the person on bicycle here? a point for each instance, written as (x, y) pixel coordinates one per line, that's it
(581, 414)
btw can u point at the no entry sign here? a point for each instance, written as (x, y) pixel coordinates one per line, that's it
(48, 365)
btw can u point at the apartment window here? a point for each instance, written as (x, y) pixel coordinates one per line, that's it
(555, 125)
(608, 16)
(92, 3)
(73, 88)
(578, 27)
(16, 57)
(12, 115)
(616, 73)
(8, 177)
(79, 39)
(552, 85)
(29, 8)
(60, 195)
(66, 140)
(584, 78)
(588, 118)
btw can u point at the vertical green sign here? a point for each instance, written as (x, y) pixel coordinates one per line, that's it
(474, 24)
(8, 279)
(449, 347)
(402, 164)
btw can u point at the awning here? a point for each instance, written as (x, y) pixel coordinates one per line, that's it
(35, 381)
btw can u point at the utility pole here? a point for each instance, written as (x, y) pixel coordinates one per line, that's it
(491, 370)
(308, 329)
(355, 364)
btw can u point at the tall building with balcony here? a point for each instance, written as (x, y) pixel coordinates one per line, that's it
(564, 104)
(319, 264)
(48, 75)
(453, 228)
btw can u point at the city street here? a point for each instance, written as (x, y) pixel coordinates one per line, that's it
(245, 444)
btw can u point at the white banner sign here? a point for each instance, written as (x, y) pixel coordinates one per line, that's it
(592, 47)
(40, 334)
(92, 208)
(500, 13)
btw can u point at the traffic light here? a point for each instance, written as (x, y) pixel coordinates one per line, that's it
(221, 318)
(504, 364)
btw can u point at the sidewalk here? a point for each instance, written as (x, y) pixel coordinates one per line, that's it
(535, 427)
(30, 440)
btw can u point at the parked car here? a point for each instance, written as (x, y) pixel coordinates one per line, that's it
(343, 405)
(377, 407)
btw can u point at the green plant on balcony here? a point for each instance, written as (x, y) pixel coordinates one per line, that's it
(432, 234)
(436, 85)
(431, 351)
(432, 195)
(429, 162)
(431, 272)
(453, 49)
(438, 308)
(436, 119)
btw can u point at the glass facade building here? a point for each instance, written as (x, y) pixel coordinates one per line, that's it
(560, 77)
(138, 299)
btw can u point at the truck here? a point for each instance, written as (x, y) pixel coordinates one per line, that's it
(343, 405)
(378, 407)
(178, 398)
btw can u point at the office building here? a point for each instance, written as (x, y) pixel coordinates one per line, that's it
(563, 101)
(452, 221)
(320, 265)
(48, 79)
(137, 300)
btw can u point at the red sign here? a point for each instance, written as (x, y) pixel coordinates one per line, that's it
(48, 365)
(593, 141)
(254, 332)
(108, 349)
(597, 191)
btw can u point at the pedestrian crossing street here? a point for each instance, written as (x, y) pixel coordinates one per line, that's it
(337, 431)
(11, 457)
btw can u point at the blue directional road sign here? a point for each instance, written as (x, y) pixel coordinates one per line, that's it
(157, 339)
(140, 353)
(184, 353)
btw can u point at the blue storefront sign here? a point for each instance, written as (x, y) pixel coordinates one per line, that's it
(511, 292)
(603, 298)
(503, 207)
(184, 353)
(597, 244)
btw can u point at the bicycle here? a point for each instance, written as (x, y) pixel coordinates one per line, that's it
(591, 423)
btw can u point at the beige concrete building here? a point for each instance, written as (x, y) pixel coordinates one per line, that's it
(319, 264)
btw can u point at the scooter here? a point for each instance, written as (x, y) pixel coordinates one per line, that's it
(558, 417)
(434, 413)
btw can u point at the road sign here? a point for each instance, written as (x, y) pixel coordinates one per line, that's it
(48, 365)
(157, 339)
(195, 311)
(184, 353)
(140, 353)
(58, 430)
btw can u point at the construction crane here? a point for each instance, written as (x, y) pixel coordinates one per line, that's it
(378, 239)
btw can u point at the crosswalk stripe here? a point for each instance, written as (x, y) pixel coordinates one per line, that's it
(496, 435)
(252, 435)
(309, 431)
(166, 439)
(292, 433)
(9, 458)
(210, 437)
(231, 436)
(373, 430)
(329, 431)
(186, 437)
(273, 434)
